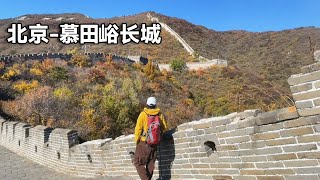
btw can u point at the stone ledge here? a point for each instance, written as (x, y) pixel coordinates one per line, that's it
(277, 116)
(63, 131)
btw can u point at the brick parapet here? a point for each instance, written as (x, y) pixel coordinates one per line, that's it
(250, 145)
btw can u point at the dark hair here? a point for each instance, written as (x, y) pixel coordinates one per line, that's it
(151, 106)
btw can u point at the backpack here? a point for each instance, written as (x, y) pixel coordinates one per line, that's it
(154, 130)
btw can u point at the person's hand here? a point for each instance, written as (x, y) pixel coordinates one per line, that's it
(131, 156)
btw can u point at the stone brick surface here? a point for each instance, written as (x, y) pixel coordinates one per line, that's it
(302, 177)
(300, 163)
(264, 136)
(270, 178)
(277, 116)
(316, 102)
(14, 167)
(296, 131)
(302, 121)
(282, 157)
(278, 142)
(306, 95)
(265, 165)
(300, 88)
(300, 147)
(304, 104)
(309, 112)
(304, 78)
(317, 85)
(309, 155)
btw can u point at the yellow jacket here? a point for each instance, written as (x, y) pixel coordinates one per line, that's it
(142, 123)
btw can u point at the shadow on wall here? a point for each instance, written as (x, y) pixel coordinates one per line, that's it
(166, 155)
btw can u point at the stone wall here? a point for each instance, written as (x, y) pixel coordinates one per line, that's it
(185, 45)
(197, 65)
(95, 56)
(247, 145)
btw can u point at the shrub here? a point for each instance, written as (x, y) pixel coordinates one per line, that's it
(58, 73)
(80, 60)
(178, 65)
(96, 75)
(63, 93)
(36, 71)
(48, 64)
(150, 70)
(24, 87)
(10, 74)
(35, 107)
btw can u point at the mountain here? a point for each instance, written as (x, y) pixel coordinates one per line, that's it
(273, 55)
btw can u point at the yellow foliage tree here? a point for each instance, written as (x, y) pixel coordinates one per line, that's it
(63, 93)
(10, 74)
(24, 87)
(73, 51)
(36, 71)
(150, 70)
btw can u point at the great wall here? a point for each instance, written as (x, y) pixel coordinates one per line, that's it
(65, 56)
(192, 66)
(250, 145)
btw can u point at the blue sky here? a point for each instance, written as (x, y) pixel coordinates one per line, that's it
(251, 15)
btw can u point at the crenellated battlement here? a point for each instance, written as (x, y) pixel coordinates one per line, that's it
(64, 56)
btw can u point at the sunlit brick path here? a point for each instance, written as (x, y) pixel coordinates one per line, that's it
(15, 167)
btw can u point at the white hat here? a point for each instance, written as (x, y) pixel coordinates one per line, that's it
(151, 101)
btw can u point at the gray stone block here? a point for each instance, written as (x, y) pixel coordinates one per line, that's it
(264, 165)
(277, 116)
(309, 112)
(301, 88)
(296, 132)
(317, 84)
(301, 163)
(302, 121)
(307, 95)
(301, 177)
(304, 78)
(296, 148)
(304, 104)
(317, 128)
(316, 102)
